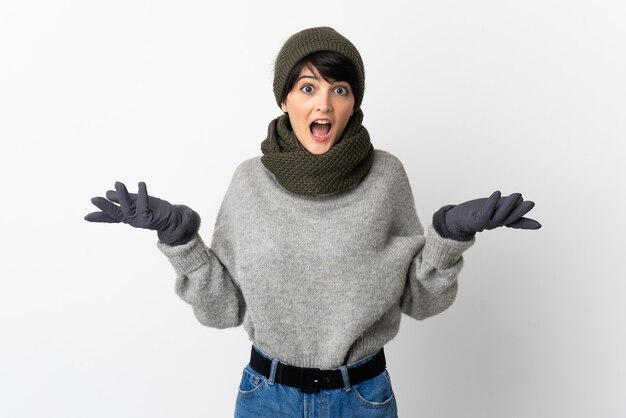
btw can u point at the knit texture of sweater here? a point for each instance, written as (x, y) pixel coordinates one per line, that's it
(318, 281)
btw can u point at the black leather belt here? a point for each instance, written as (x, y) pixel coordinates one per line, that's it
(311, 380)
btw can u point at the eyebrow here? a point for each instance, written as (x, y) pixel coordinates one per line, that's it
(306, 76)
(316, 78)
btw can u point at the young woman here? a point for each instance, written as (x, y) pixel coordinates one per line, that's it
(317, 249)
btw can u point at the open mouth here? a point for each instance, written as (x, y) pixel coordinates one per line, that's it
(320, 130)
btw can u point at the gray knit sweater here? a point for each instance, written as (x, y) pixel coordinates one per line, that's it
(318, 281)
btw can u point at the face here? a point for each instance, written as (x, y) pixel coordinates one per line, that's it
(318, 110)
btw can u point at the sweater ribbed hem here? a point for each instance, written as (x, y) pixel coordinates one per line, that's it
(187, 257)
(361, 348)
(442, 253)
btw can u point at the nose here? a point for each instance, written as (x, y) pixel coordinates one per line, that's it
(323, 105)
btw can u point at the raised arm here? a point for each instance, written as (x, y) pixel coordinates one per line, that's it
(202, 278)
(432, 278)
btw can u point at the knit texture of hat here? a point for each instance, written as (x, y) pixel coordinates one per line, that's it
(312, 40)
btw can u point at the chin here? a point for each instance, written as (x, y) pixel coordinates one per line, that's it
(319, 150)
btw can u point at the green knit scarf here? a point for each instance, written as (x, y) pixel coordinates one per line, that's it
(342, 167)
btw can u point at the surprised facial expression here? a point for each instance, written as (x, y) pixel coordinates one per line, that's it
(318, 110)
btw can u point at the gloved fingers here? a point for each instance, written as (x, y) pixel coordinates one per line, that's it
(505, 206)
(113, 211)
(100, 217)
(519, 211)
(525, 223)
(487, 210)
(112, 196)
(142, 199)
(125, 201)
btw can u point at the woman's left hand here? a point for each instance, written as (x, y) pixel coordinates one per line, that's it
(467, 218)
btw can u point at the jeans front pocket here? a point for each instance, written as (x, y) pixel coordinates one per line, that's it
(252, 382)
(376, 392)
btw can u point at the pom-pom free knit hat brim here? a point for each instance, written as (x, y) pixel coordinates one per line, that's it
(307, 41)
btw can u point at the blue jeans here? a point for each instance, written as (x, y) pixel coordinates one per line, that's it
(260, 396)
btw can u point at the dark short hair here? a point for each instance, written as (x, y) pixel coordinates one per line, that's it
(331, 65)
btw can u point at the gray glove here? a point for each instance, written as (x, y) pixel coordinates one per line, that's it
(175, 224)
(461, 222)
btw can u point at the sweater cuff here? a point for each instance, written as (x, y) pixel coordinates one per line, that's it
(188, 257)
(441, 252)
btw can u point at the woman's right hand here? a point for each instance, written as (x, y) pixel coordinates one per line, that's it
(176, 224)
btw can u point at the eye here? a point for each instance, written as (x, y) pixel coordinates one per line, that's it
(307, 88)
(342, 91)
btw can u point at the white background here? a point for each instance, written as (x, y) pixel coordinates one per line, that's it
(471, 96)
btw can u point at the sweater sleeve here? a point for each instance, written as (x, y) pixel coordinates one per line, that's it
(205, 275)
(205, 283)
(431, 284)
(431, 281)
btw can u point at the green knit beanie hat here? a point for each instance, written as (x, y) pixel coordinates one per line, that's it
(312, 40)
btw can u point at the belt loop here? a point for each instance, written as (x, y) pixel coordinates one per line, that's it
(346, 378)
(272, 377)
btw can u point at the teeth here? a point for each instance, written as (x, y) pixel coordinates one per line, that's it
(322, 122)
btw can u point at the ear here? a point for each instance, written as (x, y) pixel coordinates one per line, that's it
(283, 107)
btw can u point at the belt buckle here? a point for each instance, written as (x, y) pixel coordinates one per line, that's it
(311, 380)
